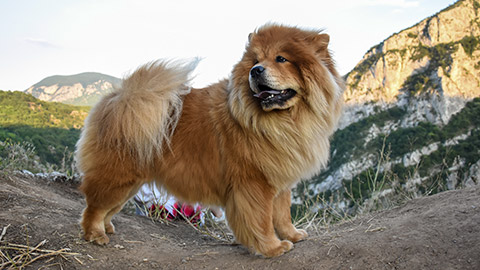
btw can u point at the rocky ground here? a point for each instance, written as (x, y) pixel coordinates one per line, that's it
(436, 232)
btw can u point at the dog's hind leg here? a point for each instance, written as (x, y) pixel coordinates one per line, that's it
(109, 228)
(104, 199)
(282, 220)
(93, 225)
(249, 214)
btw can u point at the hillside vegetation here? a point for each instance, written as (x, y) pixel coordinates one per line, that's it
(51, 128)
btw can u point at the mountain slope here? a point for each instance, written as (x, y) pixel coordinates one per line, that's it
(80, 89)
(52, 128)
(411, 116)
(17, 108)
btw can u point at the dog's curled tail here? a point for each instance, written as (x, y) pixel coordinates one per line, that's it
(138, 119)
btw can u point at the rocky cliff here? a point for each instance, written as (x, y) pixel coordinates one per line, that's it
(411, 112)
(80, 89)
(433, 65)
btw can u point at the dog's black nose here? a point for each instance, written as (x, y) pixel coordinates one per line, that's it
(256, 71)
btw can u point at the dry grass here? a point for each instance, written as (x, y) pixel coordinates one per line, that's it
(216, 228)
(19, 256)
(385, 192)
(19, 156)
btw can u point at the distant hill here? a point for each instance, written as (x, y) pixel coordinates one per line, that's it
(80, 89)
(53, 128)
(17, 108)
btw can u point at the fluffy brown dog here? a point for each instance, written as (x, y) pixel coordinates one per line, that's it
(240, 144)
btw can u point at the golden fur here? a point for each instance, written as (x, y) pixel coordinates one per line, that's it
(218, 145)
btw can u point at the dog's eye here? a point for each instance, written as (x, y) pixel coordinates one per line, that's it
(280, 59)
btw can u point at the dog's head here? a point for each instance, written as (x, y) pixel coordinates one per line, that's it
(272, 89)
(283, 66)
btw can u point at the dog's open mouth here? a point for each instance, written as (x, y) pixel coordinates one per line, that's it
(269, 95)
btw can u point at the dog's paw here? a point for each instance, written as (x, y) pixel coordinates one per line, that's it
(287, 245)
(299, 235)
(284, 246)
(99, 238)
(109, 228)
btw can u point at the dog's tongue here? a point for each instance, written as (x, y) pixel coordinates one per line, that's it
(267, 93)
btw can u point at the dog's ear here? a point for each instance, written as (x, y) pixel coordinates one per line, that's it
(323, 41)
(320, 41)
(250, 37)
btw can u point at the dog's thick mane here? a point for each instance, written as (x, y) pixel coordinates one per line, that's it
(300, 134)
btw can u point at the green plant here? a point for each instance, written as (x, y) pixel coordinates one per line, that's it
(363, 67)
(440, 56)
(52, 128)
(412, 35)
(419, 83)
(476, 6)
(52, 145)
(18, 108)
(477, 65)
(470, 44)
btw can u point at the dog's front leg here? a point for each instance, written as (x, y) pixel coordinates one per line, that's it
(282, 219)
(249, 212)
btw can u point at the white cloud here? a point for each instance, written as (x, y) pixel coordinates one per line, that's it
(41, 43)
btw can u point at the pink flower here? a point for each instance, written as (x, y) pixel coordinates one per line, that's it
(160, 211)
(188, 212)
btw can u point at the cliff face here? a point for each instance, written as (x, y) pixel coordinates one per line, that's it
(411, 109)
(80, 89)
(433, 67)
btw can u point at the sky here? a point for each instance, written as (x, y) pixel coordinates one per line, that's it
(41, 38)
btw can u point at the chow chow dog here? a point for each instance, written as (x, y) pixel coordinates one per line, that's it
(241, 143)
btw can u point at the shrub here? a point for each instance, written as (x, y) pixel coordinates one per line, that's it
(470, 44)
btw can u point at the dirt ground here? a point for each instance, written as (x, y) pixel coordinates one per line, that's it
(436, 232)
